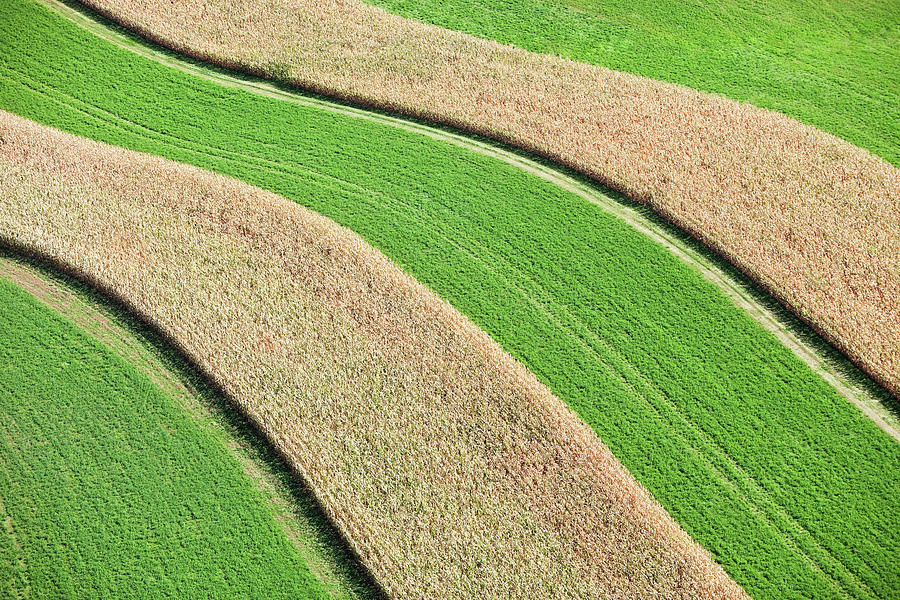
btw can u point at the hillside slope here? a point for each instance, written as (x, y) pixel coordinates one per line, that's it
(742, 443)
(812, 218)
(449, 467)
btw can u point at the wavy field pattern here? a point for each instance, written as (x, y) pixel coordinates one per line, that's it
(111, 337)
(588, 304)
(812, 218)
(352, 369)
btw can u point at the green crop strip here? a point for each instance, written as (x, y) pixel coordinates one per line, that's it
(110, 490)
(832, 64)
(750, 451)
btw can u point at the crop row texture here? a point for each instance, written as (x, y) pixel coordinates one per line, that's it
(741, 442)
(450, 468)
(812, 218)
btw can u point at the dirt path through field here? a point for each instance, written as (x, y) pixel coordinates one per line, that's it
(742, 294)
(94, 322)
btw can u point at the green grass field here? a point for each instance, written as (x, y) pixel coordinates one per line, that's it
(113, 487)
(829, 64)
(110, 490)
(793, 491)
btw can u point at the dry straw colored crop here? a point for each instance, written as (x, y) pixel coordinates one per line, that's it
(812, 218)
(447, 465)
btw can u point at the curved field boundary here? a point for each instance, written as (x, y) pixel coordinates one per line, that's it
(828, 64)
(292, 505)
(450, 468)
(111, 488)
(830, 367)
(743, 444)
(812, 218)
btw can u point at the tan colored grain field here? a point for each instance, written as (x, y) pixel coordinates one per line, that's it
(451, 470)
(814, 219)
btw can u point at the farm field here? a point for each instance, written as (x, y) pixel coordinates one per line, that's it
(351, 368)
(829, 64)
(593, 308)
(117, 481)
(812, 218)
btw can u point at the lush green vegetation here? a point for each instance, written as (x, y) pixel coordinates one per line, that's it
(829, 64)
(792, 490)
(288, 500)
(111, 490)
(108, 404)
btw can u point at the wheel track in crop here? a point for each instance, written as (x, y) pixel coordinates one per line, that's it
(726, 469)
(634, 380)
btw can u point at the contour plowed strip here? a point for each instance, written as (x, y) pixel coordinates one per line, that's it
(448, 466)
(812, 218)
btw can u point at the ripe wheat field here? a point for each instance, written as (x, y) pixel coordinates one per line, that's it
(450, 469)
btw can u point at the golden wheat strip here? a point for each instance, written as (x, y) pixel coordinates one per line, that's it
(448, 466)
(815, 220)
